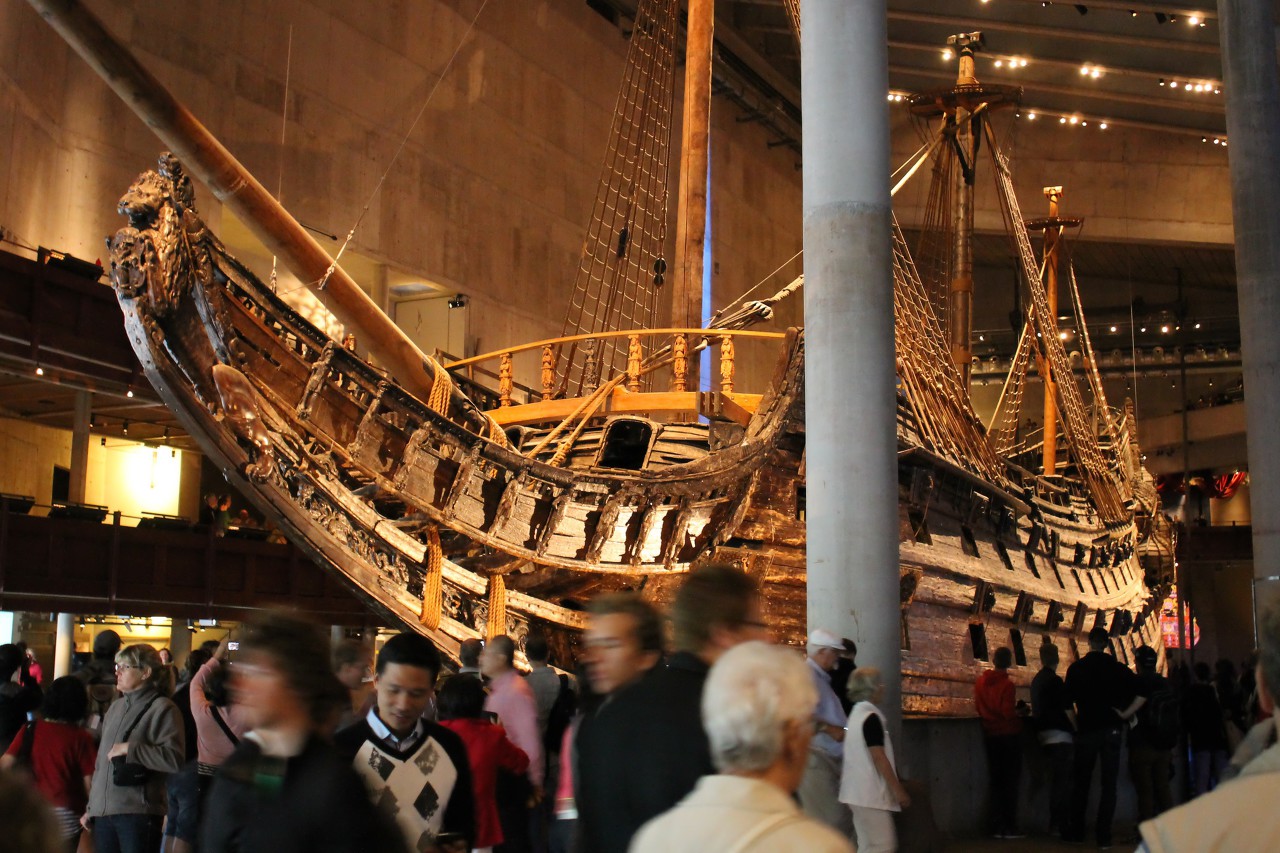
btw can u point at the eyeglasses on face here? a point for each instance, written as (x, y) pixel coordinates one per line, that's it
(121, 666)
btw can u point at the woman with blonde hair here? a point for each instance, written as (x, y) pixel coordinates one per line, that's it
(142, 742)
(869, 781)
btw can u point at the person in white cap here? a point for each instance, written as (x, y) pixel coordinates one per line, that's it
(821, 783)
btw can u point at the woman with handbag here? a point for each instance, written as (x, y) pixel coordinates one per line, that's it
(142, 742)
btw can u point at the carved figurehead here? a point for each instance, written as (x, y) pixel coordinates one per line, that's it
(240, 408)
(163, 248)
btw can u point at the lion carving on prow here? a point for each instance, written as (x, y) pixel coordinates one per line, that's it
(161, 251)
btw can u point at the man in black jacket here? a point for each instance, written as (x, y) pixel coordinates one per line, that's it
(1105, 693)
(645, 748)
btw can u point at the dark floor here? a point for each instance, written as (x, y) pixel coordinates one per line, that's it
(1032, 844)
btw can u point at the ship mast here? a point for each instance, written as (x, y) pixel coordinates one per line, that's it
(686, 298)
(206, 158)
(1052, 227)
(967, 139)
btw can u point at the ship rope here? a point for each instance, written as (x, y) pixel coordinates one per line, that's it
(433, 581)
(622, 263)
(404, 140)
(929, 379)
(496, 623)
(1119, 440)
(1003, 429)
(1081, 437)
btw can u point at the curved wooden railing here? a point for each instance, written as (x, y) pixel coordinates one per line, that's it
(628, 396)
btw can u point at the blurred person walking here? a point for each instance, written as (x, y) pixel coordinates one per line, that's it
(1240, 815)
(646, 748)
(758, 711)
(142, 743)
(284, 789)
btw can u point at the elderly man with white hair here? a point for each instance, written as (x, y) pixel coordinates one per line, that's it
(821, 782)
(757, 708)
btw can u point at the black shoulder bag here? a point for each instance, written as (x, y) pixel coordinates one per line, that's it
(131, 774)
(222, 724)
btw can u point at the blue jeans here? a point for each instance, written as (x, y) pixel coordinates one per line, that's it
(127, 833)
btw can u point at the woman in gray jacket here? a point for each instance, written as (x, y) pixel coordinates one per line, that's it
(142, 728)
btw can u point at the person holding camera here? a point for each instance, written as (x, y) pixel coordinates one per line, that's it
(142, 742)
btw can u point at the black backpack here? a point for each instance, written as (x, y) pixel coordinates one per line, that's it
(1161, 718)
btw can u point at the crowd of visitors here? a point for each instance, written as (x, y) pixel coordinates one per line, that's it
(727, 743)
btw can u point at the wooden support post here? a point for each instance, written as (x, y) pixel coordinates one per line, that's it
(504, 381)
(680, 363)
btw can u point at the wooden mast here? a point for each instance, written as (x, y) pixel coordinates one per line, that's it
(1050, 455)
(686, 300)
(1052, 227)
(967, 136)
(207, 159)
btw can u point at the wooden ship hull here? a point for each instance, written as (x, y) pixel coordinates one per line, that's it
(467, 514)
(460, 534)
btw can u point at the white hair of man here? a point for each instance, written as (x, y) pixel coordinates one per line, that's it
(754, 690)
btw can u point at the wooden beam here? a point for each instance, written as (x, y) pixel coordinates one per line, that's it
(737, 407)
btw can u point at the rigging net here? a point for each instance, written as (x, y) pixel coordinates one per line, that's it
(1081, 437)
(622, 263)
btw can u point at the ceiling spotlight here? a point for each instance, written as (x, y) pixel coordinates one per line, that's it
(946, 54)
(39, 370)
(1197, 325)
(129, 393)
(1161, 81)
(1084, 124)
(1095, 73)
(1217, 91)
(1102, 126)
(1143, 329)
(1113, 328)
(1073, 119)
(1204, 139)
(1062, 120)
(1031, 116)
(1217, 141)
(999, 63)
(1193, 20)
(1164, 329)
(1062, 336)
(1173, 84)
(1161, 17)
(1084, 70)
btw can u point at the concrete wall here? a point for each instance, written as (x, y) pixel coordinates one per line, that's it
(493, 188)
(122, 475)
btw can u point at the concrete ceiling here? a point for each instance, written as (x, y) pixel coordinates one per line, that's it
(1133, 45)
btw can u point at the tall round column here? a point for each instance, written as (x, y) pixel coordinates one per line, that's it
(1247, 33)
(64, 644)
(851, 445)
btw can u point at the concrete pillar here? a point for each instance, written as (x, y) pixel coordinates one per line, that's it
(179, 642)
(80, 446)
(337, 634)
(1248, 38)
(851, 447)
(64, 643)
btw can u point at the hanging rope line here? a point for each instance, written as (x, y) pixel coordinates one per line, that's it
(622, 262)
(284, 127)
(404, 140)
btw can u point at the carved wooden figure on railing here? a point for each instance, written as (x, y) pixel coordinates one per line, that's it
(680, 364)
(634, 355)
(504, 381)
(548, 372)
(726, 365)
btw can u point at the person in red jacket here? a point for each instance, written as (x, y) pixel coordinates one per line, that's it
(993, 696)
(461, 706)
